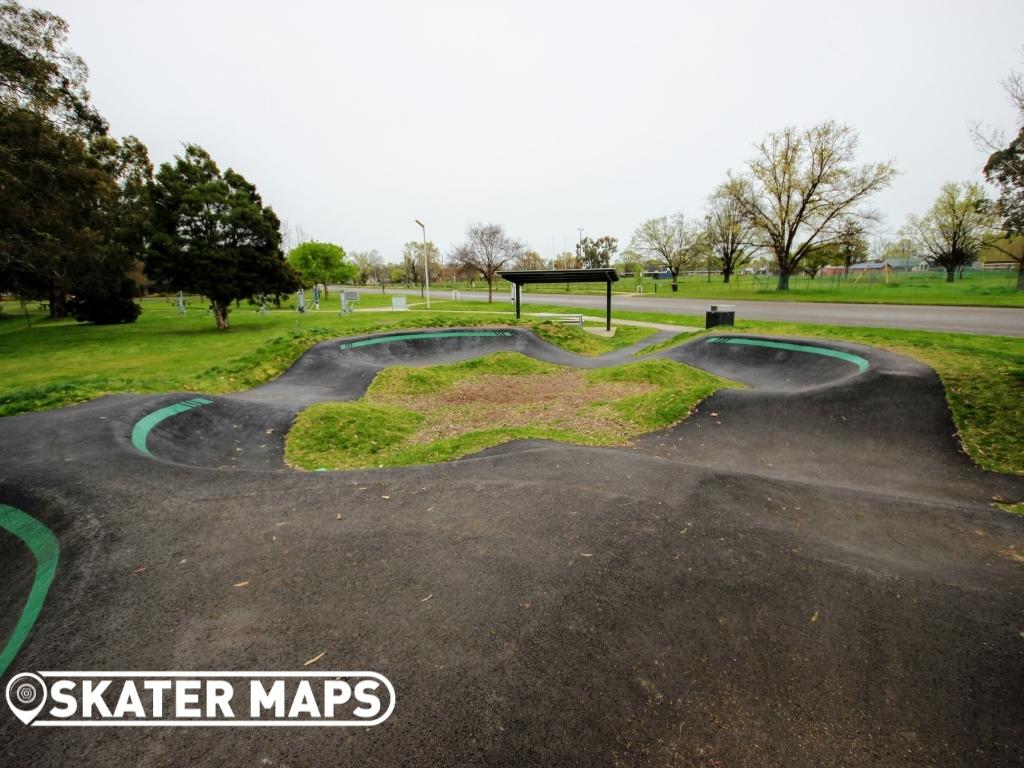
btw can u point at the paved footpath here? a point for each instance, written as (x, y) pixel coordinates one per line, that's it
(997, 321)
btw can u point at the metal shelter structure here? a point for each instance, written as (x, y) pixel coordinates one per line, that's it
(521, 277)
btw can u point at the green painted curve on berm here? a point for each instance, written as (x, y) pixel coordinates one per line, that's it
(860, 362)
(44, 546)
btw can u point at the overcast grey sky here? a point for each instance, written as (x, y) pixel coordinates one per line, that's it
(354, 118)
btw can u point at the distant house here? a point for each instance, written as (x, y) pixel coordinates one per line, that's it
(995, 256)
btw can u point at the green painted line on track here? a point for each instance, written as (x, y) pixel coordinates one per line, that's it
(43, 545)
(414, 336)
(142, 428)
(857, 360)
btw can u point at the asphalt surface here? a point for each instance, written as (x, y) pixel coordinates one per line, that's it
(996, 321)
(807, 572)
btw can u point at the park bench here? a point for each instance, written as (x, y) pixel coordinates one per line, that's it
(568, 319)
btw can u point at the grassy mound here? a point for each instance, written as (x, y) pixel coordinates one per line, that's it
(439, 413)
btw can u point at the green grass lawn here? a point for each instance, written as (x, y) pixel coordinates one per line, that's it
(425, 415)
(996, 288)
(56, 363)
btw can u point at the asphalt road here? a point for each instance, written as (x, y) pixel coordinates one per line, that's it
(808, 572)
(997, 321)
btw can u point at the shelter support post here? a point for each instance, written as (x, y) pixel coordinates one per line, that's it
(518, 288)
(608, 306)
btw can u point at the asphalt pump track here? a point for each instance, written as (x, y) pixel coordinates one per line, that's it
(805, 572)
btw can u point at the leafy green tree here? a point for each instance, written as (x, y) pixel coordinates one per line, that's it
(799, 188)
(73, 199)
(322, 263)
(630, 263)
(596, 253)
(104, 289)
(40, 74)
(953, 232)
(1005, 169)
(851, 246)
(818, 258)
(212, 235)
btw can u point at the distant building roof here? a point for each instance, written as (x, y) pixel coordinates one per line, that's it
(871, 265)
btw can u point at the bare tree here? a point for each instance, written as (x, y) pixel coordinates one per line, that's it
(956, 228)
(799, 189)
(990, 139)
(630, 263)
(674, 243)
(365, 263)
(728, 233)
(487, 250)
(529, 260)
(567, 260)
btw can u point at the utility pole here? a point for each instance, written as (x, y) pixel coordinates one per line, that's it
(426, 262)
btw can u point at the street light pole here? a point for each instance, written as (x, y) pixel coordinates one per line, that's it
(579, 246)
(426, 262)
(711, 250)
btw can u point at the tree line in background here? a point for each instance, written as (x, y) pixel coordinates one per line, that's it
(87, 224)
(83, 218)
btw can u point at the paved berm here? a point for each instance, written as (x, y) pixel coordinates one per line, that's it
(807, 572)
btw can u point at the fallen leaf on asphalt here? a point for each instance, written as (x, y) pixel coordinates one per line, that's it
(385, 497)
(814, 617)
(315, 659)
(339, 515)
(241, 584)
(139, 570)
(427, 597)
(586, 554)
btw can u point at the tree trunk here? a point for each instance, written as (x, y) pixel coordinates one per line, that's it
(783, 281)
(490, 290)
(220, 312)
(675, 281)
(1020, 276)
(725, 275)
(58, 299)
(950, 274)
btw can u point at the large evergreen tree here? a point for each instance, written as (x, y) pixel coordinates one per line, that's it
(73, 211)
(213, 235)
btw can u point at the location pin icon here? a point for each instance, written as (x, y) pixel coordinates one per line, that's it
(26, 696)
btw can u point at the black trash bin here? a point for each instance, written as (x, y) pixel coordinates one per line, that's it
(720, 314)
